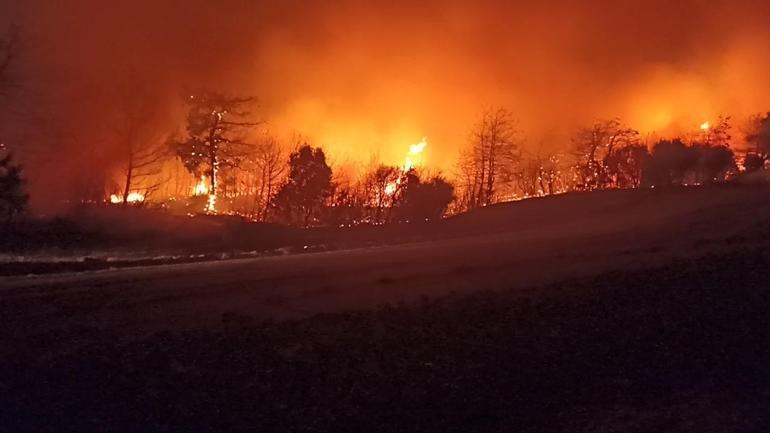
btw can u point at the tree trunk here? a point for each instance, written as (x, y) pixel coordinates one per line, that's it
(213, 182)
(490, 187)
(267, 199)
(130, 168)
(129, 176)
(213, 159)
(482, 177)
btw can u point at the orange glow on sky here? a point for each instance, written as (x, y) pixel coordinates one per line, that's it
(366, 80)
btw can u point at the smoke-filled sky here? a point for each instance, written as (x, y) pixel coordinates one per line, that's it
(373, 77)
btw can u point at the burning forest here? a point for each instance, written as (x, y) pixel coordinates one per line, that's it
(384, 216)
(94, 126)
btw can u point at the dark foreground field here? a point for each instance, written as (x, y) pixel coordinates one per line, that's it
(640, 312)
(682, 347)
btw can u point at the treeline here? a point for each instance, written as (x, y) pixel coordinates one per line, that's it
(260, 181)
(609, 154)
(221, 163)
(235, 170)
(384, 194)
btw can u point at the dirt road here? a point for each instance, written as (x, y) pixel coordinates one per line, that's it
(201, 294)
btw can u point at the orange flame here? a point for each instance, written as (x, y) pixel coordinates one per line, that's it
(414, 157)
(133, 197)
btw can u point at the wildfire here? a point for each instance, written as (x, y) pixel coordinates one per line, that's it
(201, 188)
(391, 188)
(133, 197)
(412, 159)
(414, 156)
(705, 126)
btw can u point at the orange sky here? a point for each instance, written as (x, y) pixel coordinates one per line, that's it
(365, 78)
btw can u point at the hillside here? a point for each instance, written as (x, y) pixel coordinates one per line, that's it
(88, 241)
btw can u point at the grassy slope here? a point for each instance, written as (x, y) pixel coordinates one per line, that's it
(134, 236)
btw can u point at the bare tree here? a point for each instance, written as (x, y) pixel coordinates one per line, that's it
(487, 166)
(381, 187)
(527, 177)
(717, 134)
(270, 168)
(594, 145)
(347, 204)
(140, 145)
(539, 174)
(625, 165)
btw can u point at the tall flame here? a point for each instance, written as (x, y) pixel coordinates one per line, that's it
(201, 188)
(414, 156)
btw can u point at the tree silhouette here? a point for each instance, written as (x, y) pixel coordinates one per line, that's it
(715, 163)
(217, 129)
(625, 165)
(382, 187)
(719, 133)
(347, 204)
(670, 163)
(758, 137)
(487, 166)
(140, 145)
(13, 198)
(270, 167)
(753, 162)
(594, 147)
(539, 174)
(424, 200)
(301, 199)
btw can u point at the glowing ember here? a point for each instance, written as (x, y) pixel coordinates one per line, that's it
(705, 126)
(211, 204)
(414, 156)
(133, 197)
(390, 188)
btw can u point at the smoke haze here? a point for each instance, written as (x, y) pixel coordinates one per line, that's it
(364, 78)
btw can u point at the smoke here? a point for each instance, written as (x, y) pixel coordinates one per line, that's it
(370, 78)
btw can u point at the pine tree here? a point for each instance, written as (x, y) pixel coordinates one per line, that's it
(217, 129)
(303, 196)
